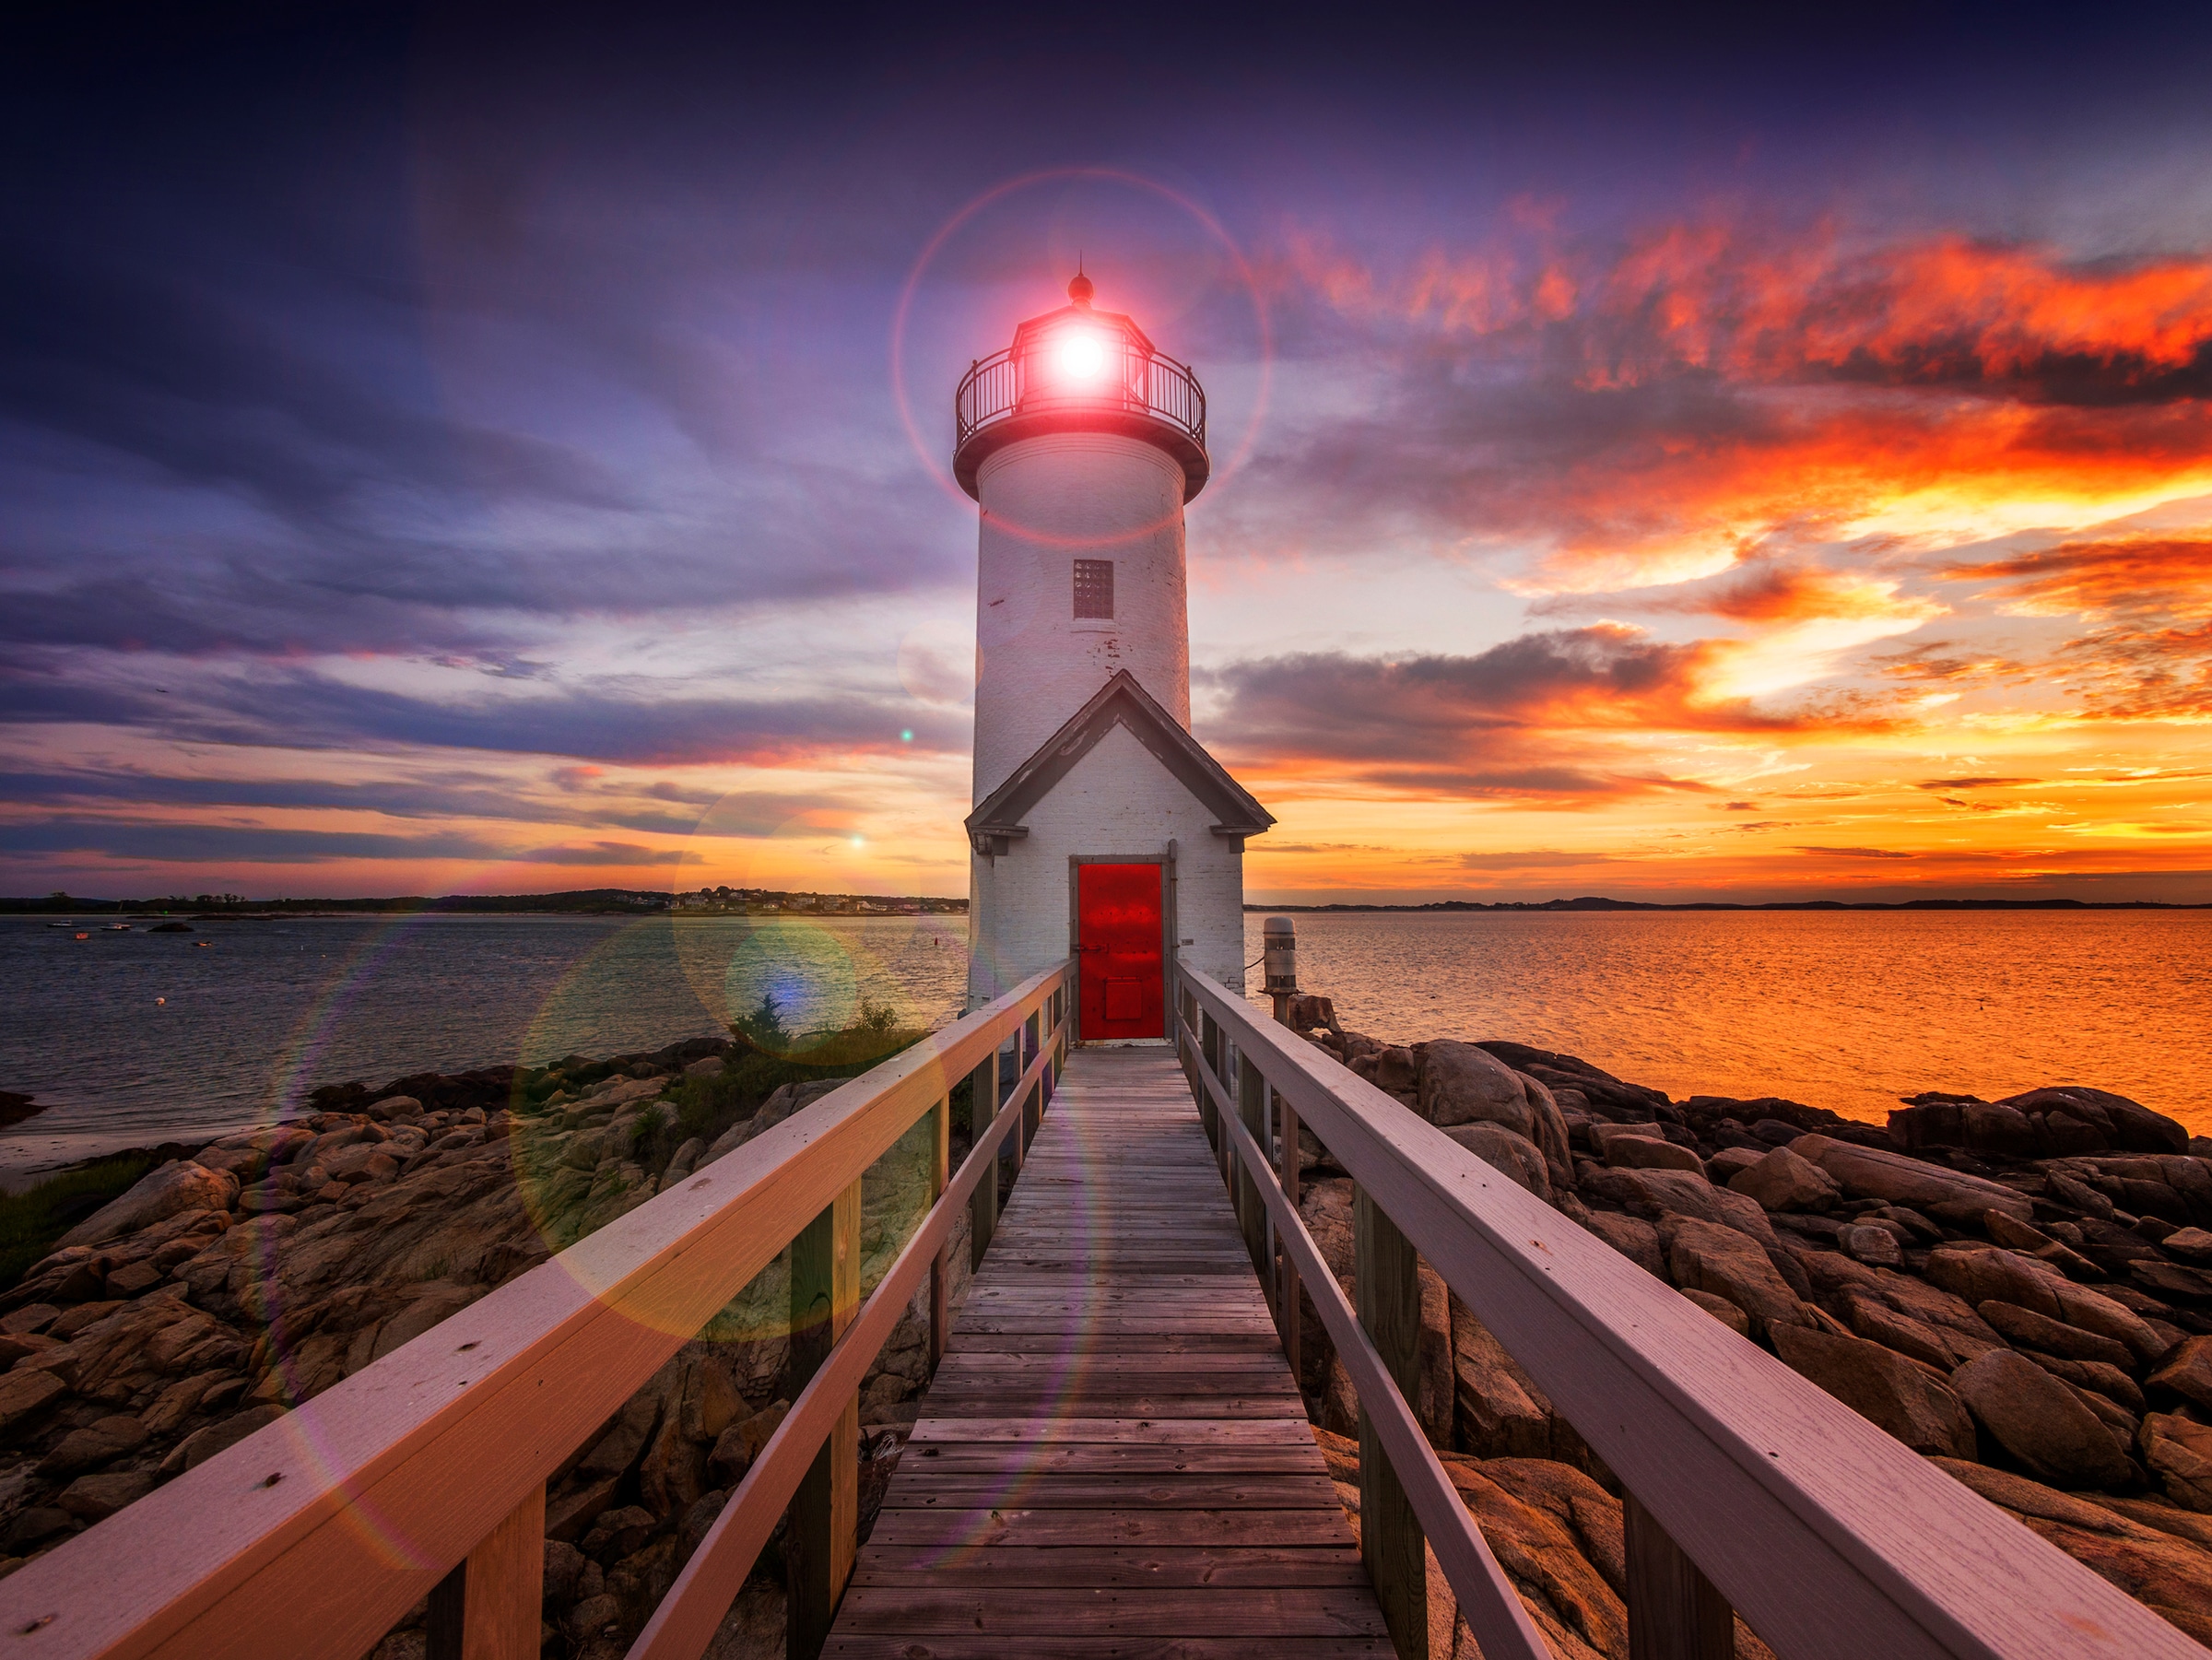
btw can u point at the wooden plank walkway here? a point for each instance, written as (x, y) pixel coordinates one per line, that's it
(1113, 1460)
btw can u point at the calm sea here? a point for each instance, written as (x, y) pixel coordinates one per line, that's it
(137, 1037)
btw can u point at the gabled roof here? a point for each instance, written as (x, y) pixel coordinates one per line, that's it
(1120, 702)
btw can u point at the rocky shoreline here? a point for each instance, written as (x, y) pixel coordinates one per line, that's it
(2020, 1289)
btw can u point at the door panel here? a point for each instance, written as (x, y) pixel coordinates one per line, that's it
(1118, 935)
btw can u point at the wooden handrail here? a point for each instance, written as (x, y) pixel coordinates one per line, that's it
(1501, 1626)
(315, 1535)
(1831, 1538)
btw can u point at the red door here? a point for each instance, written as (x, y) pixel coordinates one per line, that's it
(1118, 934)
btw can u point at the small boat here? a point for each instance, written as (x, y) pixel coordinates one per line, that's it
(117, 928)
(60, 925)
(84, 937)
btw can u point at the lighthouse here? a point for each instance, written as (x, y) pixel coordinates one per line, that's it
(1101, 829)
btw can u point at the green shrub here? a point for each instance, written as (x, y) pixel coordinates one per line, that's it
(32, 1221)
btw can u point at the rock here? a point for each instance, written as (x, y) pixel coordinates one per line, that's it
(1867, 1243)
(432, 1302)
(201, 1445)
(754, 1627)
(96, 1497)
(1683, 1193)
(2172, 1280)
(1544, 1563)
(1650, 1152)
(1632, 1236)
(1395, 1072)
(1461, 1084)
(787, 1100)
(1721, 1309)
(2076, 1115)
(1707, 1257)
(1499, 1412)
(2187, 1372)
(1724, 1166)
(28, 1320)
(2031, 1330)
(1782, 1180)
(618, 1534)
(2096, 1378)
(1433, 1401)
(1882, 1387)
(1502, 1150)
(26, 1392)
(674, 1472)
(2193, 1243)
(709, 1066)
(564, 1571)
(35, 1526)
(2179, 1451)
(2040, 1420)
(619, 1449)
(98, 1442)
(178, 1185)
(1979, 1275)
(1866, 1172)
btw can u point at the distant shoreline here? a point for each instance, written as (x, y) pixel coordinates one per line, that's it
(1605, 904)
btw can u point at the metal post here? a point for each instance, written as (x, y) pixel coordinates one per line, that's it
(1278, 946)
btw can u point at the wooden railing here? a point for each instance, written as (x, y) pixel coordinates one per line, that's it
(426, 1472)
(1747, 1487)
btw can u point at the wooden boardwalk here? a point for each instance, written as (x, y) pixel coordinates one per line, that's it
(1113, 1460)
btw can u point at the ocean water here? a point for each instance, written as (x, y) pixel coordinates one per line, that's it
(1847, 1011)
(136, 1038)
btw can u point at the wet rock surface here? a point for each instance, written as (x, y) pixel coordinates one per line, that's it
(2020, 1291)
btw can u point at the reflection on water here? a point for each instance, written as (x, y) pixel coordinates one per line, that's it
(1846, 1010)
(271, 1010)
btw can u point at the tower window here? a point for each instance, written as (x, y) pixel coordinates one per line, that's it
(1094, 588)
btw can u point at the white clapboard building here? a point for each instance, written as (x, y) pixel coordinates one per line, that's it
(1101, 826)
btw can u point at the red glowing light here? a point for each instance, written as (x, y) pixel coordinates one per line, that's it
(1080, 356)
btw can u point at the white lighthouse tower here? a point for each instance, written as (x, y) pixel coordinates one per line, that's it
(1101, 828)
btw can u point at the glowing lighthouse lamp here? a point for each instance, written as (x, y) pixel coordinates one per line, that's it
(1101, 828)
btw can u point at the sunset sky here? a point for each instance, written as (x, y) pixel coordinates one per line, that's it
(467, 450)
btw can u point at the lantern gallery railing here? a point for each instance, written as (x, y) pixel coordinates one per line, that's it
(426, 1472)
(1747, 1487)
(1079, 368)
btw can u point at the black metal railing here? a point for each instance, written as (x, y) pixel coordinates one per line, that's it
(1026, 380)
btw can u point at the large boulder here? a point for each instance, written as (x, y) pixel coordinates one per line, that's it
(1884, 1388)
(1461, 1084)
(1987, 1274)
(179, 1186)
(1632, 1236)
(1650, 1152)
(2041, 1421)
(2030, 1330)
(1866, 1172)
(1502, 1150)
(1660, 1193)
(1783, 1181)
(2071, 1119)
(1707, 1256)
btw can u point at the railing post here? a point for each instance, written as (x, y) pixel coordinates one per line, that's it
(1387, 1280)
(1287, 1121)
(1210, 1050)
(983, 1208)
(1674, 1612)
(488, 1607)
(825, 1513)
(1251, 1107)
(940, 1172)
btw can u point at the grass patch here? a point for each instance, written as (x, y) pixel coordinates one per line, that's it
(30, 1222)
